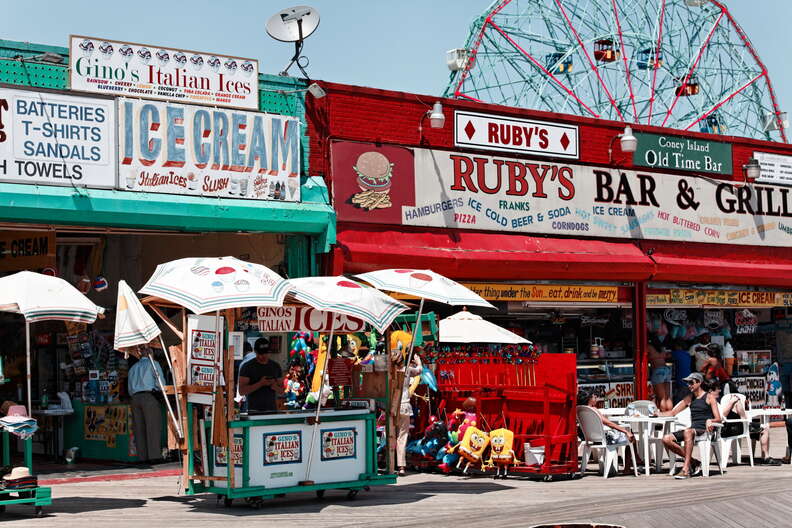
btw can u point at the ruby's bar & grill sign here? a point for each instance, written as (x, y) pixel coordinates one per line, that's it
(112, 67)
(185, 149)
(387, 184)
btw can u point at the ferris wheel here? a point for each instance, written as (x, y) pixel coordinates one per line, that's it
(682, 64)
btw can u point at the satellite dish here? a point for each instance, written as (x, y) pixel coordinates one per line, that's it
(293, 24)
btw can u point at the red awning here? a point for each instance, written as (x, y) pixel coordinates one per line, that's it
(720, 264)
(466, 255)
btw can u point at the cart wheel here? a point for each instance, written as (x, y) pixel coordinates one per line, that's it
(320, 494)
(351, 494)
(228, 502)
(39, 511)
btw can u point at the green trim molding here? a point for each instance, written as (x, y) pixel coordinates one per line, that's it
(53, 205)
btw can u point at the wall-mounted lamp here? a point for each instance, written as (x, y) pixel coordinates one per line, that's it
(629, 143)
(751, 171)
(436, 118)
(316, 90)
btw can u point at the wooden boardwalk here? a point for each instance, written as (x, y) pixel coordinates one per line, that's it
(759, 497)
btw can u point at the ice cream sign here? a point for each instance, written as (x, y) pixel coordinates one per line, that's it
(186, 149)
(513, 134)
(123, 68)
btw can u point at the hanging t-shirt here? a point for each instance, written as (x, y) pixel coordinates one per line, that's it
(264, 398)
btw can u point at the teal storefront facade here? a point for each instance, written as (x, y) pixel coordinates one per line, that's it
(111, 233)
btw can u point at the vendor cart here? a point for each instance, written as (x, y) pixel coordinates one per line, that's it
(288, 451)
(39, 496)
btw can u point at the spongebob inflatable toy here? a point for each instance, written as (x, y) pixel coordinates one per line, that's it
(501, 451)
(471, 448)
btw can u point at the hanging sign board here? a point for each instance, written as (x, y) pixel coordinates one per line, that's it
(26, 250)
(184, 149)
(776, 169)
(55, 139)
(113, 67)
(684, 154)
(306, 319)
(205, 348)
(512, 134)
(386, 184)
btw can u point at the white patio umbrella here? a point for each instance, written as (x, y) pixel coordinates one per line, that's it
(465, 327)
(211, 284)
(44, 298)
(341, 295)
(134, 326)
(425, 284)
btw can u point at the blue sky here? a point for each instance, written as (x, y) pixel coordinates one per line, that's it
(396, 45)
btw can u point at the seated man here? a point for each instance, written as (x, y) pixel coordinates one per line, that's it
(704, 413)
(733, 409)
(614, 433)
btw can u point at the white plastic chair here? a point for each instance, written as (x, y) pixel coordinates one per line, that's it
(708, 443)
(642, 407)
(731, 445)
(594, 435)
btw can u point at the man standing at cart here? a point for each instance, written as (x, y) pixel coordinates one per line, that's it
(261, 379)
(146, 408)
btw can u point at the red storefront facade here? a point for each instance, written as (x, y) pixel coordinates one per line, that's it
(477, 213)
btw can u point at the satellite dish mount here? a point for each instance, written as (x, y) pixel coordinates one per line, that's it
(294, 24)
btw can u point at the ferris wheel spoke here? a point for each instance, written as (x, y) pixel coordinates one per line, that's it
(725, 100)
(692, 68)
(588, 57)
(624, 58)
(657, 50)
(542, 68)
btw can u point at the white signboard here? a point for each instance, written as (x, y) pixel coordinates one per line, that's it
(113, 67)
(512, 134)
(55, 139)
(486, 193)
(185, 149)
(306, 319)
(205, 352)
(776, 168)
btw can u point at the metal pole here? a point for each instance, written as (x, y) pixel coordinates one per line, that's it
(319, 401)
(216, 375)
(175, 394)
(27, 344)
(418, 328)
(165, 395)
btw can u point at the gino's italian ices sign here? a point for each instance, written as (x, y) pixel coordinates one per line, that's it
(185, 149)
(111, 67)
(395, 185)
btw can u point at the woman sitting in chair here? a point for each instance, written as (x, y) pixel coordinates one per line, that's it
(704, 413)
(614, 433)
(734, 409)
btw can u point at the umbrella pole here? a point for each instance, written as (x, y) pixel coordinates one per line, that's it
(216, 375)
(414, 336)
(27, 359)
(175, 393)
(165, 395)
(308, 481)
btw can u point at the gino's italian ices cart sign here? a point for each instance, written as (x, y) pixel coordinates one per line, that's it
(54, 139)
(282, 448)
(111, 67)
(395, 185)
(184, 149)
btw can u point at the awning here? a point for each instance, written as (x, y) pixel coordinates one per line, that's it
(720, 264)
(466, 255)
(52, 205)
